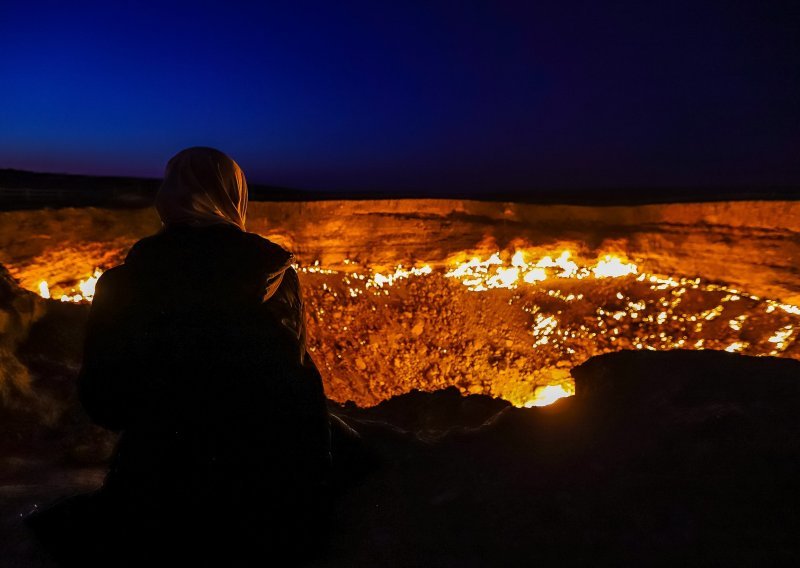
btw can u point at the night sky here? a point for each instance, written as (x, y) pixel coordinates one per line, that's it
(411, 96)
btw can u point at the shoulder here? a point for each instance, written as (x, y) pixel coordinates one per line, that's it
(271, 255)
(142, 247)
(265, 246)
(113, 288)
(113, 277)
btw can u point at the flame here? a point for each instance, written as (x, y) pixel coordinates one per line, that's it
(569, 269)
(83, 292)
(545, 395)
(736, 347)
(535, 275)
(481, 275)
(44, 289)
(87, 286)
(612, 267)
(378, 280)
(504, 278)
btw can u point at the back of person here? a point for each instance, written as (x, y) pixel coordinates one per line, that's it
(195, 352)
(209, 379)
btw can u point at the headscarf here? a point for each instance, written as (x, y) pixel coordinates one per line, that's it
(202, 187)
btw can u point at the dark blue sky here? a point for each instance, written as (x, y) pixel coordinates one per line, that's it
(448, 96)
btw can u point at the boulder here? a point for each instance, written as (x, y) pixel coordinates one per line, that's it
(40, 353)
(669, 458)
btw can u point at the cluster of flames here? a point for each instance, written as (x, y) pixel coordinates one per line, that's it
(570, 308)
(481, 275)
(82, 292)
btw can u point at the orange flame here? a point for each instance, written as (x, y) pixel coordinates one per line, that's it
(83, 292)
(546, 395)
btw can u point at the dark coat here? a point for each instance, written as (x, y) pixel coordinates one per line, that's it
(196, 352)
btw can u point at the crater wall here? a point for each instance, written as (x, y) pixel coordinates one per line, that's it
(752, 245)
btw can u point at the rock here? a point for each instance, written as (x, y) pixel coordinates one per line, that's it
(40, 352)
(5, 322)
(669, 380)
(674, 458)
(425, 414)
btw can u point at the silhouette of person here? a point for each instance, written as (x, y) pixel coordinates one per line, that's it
(196, 353)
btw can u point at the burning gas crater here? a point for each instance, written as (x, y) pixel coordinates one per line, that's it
(509, 324)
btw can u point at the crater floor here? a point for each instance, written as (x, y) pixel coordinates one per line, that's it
(430, 293)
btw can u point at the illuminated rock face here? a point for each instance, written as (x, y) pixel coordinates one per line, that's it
(495, 298)
(749, 245)
(754, 246)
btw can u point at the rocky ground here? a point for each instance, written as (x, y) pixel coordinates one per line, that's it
(675, 458)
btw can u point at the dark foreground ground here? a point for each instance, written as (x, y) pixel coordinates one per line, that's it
(661, 458)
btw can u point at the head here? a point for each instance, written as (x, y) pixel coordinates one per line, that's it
(202, 187)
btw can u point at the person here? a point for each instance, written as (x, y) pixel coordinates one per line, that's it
(196, 353)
